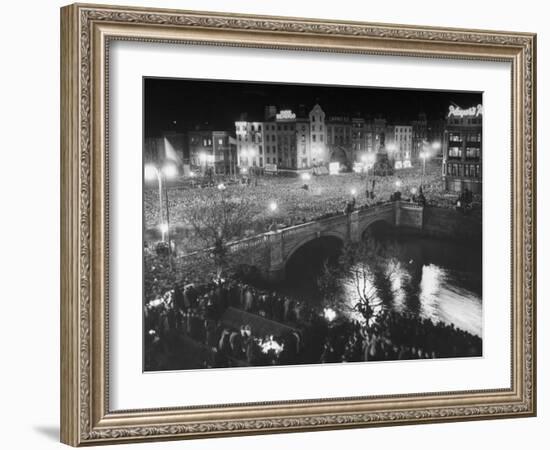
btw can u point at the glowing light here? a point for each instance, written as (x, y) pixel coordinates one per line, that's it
(414, 191)
(474, 111)
(202, 157)
(306, 176)
(221, 187)
(273, 206)
(151, 172)
(398, 183)
(244, 170)
(170, 171)
(329, 314)
(163, 227)
(192, 174)
(423, 155)
(436, 145)
(285, 114)
(353, 192)
(156, 302)
(271, 344)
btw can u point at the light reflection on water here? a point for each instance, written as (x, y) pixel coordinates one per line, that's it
(438, 280)
(439, 297)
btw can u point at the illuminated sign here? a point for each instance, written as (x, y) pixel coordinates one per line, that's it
(474, 111)
(285, 114)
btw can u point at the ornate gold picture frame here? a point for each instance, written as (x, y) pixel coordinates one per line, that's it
(86, 34)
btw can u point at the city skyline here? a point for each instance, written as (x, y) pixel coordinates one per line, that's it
(180, 105)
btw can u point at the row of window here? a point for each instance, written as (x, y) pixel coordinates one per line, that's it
(471, 152)
(469, 121)
(463, 170)
(471, 137)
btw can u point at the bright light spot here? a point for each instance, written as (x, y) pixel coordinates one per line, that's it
(329, 314)
(170, 170)
(413, 191)
(353, 192)
(156, 302)
(151, 172)
(163, 227)
(192, 174)
(271, 344)
(273, 206)
(244, 170)
(436, 145)
(221, 187)
(202, 157)
(306, 176)
(398, 183)
(334, 168)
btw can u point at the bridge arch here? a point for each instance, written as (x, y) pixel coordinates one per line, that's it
(379, 223)
(306, 257)
(334, 236)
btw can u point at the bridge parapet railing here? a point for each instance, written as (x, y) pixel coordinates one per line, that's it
(314, 224)
(409, 205)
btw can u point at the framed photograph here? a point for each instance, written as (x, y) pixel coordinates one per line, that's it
(276, 224)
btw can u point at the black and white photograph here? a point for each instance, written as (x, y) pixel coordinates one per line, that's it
(289, 224)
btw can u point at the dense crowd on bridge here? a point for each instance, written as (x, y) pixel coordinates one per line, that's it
(297, 200)
(188, 321)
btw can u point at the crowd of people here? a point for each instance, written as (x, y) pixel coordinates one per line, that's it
(184, 322)
(294, 203)
(187, 322)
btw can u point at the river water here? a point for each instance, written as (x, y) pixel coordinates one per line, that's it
(432, 278)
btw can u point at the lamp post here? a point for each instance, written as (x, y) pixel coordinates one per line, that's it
(305, 178)
(161, 173)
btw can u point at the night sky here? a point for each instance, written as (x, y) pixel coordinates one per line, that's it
(180, 105)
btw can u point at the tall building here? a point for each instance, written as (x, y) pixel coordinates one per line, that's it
(462, 149)
(378, 128)
(250, 143)
(419, 136)
(339, 140)
(399, 145)
(283, 140)
(318, 136)
(214, 150)
(224, 149)
(358, 136)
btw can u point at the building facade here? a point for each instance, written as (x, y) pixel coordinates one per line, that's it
(399, 145)
(212, 150)
(462, 149)
(419, 136)
(283, 141)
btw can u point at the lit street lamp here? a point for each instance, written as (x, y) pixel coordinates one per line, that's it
(305, 178)
(161, 173)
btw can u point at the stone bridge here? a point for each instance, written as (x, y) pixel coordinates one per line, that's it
(271, 251)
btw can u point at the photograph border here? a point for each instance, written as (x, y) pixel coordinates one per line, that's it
(86, 32)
